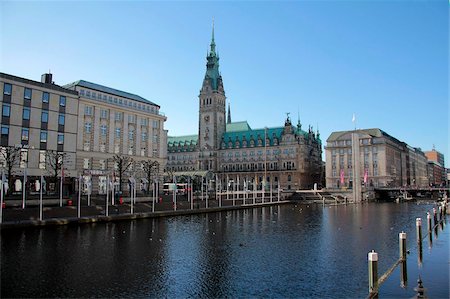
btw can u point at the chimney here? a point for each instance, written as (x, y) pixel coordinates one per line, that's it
(46, 78)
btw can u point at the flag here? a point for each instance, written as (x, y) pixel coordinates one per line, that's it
(342, 176)
(366, 174)
(353, 118)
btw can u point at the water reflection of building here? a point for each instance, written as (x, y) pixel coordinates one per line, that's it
(285, 155)
(384, 160)
(113, 122)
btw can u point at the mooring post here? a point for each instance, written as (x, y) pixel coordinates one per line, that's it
(402, 242)
(430, 228)
(435, 216)
(420, 289)
(419, 231)
(373, 272)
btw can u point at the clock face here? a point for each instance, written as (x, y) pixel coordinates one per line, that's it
(206, 117)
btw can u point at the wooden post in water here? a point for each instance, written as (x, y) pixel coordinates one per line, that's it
(373, 272)
(402, 242)
(430, 227)
(435, 216)
(419, 231)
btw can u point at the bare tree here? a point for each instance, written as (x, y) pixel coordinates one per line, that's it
(151, 168)
(10, 157)
(122, 164)
(54, 163)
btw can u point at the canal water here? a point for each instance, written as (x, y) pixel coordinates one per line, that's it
(296, 251)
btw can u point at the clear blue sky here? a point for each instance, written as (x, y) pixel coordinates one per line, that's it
(385, 61)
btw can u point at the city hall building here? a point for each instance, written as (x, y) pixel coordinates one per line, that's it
(285, 156)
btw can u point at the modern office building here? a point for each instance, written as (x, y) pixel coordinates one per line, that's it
(286, 155)
(39, 132)
(384, 160)
(112, 122)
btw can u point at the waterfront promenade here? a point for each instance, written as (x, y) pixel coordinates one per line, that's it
(95, 210)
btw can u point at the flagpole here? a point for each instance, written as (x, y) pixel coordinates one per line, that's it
(107, 195)
(40, 199)
(1, 198)
(79, 196)
(61, 187)
(24, 188)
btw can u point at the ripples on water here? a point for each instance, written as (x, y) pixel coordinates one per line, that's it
(272, 252)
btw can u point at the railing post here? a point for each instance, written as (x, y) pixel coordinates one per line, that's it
(373, 272)
(402, 243)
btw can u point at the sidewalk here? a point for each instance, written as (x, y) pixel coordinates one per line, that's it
(52, 214)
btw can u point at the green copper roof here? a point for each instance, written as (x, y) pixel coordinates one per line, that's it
(182, 140)
(237, 126)
(249, 134)
(212, 65)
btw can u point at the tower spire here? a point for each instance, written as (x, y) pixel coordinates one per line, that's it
(229, 115)
(213, 44)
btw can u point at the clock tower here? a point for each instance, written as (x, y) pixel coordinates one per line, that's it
(211, 112)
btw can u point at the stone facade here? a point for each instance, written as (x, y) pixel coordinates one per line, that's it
(384, 161)
(284, 156)
(113, 122)
(38, 117)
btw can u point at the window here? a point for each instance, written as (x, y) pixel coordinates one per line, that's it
(94, 95)
(130, 134)
(87, 146)
(82, 92)
(42, 159)
(23, 158)
(144, 122)
(25, 134)
(131, 118)
(88, 110)
(6, 110)
(61, 119)
(27, 93)
(26, 113)
(60, 138)
(117, 132)
(86, 163)
(45, 97)
(103, 113)
(118, 116)
(103, 129)
(5, 130)
(62, 101)
(144, 136)
(44, 117)
(88, 93)
(7, 88)
(102, 164)
(87, 128)
(155, 124)
(43, 136)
